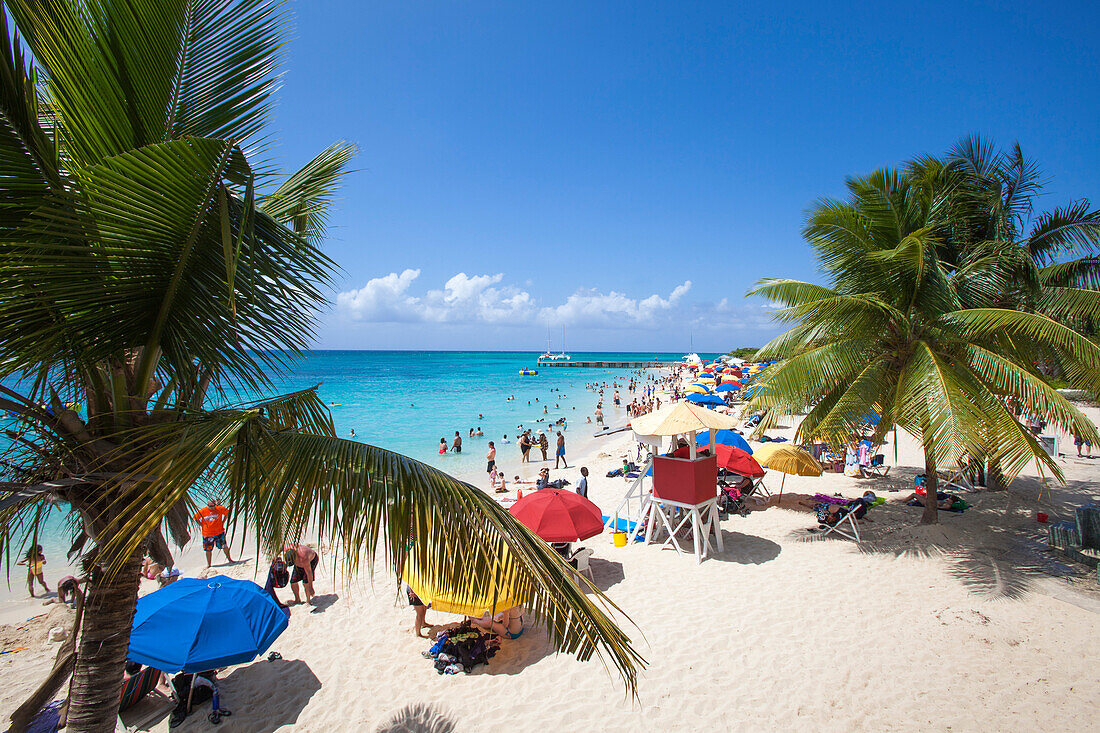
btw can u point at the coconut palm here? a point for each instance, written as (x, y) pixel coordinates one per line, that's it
(156, 271)
(987, 203)
(893, 332)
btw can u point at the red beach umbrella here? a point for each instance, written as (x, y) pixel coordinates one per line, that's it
(730, 458)
(557, 515)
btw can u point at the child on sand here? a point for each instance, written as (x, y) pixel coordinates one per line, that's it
(35, 562)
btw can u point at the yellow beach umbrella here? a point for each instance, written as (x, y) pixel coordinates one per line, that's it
(500, 594)
(787, 459)
(697, 388)
(705, 380)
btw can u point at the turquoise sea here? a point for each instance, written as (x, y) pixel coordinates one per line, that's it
(407, 400)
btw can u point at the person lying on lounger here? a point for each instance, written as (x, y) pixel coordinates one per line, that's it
(943, 500)
(830, 514)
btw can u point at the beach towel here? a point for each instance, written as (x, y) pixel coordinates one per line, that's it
(137, 686)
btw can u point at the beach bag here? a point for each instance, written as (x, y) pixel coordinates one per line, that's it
(279, 574)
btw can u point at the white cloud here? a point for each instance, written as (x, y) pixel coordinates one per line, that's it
(487, 299)
(462, 299)
(595, 309)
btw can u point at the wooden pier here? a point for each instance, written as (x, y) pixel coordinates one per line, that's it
(603, 364)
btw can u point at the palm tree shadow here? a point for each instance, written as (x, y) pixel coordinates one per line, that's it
(418, 718)
(994, 553)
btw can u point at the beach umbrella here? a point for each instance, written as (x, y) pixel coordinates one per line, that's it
(679, 418)
(557, 515)
(697, 389)
(787, 459)
(706, 374)
(726, 437)
(731, 459)
(727, 387)
(498, 594)
(706, 399)
(705, 380)
(194, 625)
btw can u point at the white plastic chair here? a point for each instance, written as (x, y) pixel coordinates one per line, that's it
(579, 560)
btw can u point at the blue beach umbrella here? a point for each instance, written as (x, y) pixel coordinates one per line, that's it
(194, 625)
(706, 399)
(705, 374)
(726, 387)
(725, 437)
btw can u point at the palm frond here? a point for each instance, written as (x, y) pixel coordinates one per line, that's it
(303, 200)
(375, 505)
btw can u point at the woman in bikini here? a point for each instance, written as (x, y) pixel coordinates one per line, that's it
(507, 623)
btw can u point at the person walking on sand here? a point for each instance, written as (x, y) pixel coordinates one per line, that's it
(1079, 441)
(490, 458)
(559, 454)
(582, 485)
(211, 519)
(303, 559)
(36, 566)
(544, 444)
(456, 445)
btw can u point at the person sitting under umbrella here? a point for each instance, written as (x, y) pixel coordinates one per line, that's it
(507, 623)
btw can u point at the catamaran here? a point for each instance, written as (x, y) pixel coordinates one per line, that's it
(550, 355)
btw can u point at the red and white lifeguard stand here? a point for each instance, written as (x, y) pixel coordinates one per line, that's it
(683, 493)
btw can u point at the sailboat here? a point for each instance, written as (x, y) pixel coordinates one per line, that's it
(550, 355)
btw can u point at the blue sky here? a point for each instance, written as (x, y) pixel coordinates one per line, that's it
(629, 169)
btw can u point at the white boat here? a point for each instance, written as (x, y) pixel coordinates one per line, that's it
(550, 355)
(691, 358)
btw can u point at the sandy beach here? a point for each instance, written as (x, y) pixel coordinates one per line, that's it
(971, 624)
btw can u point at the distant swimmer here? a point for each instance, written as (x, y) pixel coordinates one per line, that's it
(442, 446)
(480, 416)
(353, 432)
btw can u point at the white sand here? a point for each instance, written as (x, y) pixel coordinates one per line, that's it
(961, 626)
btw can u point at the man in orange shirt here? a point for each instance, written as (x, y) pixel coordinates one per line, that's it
(212, 520)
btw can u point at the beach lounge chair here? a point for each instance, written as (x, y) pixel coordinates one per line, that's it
(877, 466)
(847, 517)
(579, 560)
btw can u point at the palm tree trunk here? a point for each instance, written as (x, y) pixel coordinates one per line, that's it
(931, 513)
(101, 655)
(994, 479)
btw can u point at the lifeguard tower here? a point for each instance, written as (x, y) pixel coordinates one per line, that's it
(680, 493)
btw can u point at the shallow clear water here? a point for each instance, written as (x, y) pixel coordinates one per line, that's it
(406, 401)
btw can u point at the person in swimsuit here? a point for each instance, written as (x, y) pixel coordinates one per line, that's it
(525, 447)
(560, 454)
(36, 563)
(442, 446)
(507, 623)
(303, 561)
(490, 458)
(421, 610)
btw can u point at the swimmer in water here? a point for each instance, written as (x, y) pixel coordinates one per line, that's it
(353, 432)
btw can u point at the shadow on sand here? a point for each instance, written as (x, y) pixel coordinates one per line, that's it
(322, 603)
(606, 573)
(746, 549)
(996, 548)
(260, 712)
(418, 718)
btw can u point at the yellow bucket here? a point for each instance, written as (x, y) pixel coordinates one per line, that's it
(620, 538)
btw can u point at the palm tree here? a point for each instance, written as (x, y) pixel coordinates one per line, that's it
(987, 203)
(154, 270)
(894, 332)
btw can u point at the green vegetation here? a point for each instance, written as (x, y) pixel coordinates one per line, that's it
(745, 352)
(153, 266)
(936, 314)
